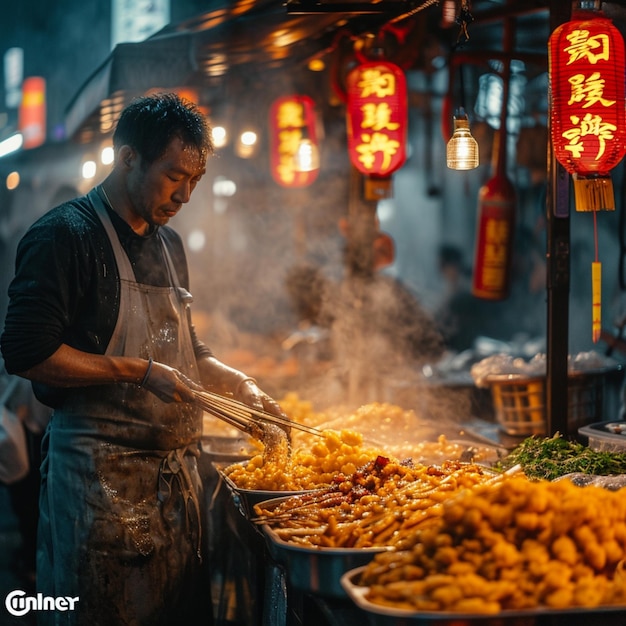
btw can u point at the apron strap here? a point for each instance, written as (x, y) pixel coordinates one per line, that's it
(124, 267)
(122, 261)
(170, 265)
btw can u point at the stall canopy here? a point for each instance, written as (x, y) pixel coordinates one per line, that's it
(270, 35)
(201, 51)
(131, 68)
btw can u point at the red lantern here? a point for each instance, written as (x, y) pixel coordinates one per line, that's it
(377, 118)
(588, 119)
(292, 120)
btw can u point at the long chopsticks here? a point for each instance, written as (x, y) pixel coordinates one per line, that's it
(244, 425)
(242, 416)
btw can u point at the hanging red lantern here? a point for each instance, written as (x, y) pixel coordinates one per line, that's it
(377, 118)
(292, 126)
(588, 118)
(587, 115)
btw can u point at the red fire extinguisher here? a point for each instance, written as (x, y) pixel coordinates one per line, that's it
(495, 227)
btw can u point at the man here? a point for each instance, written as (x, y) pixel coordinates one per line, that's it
(99, 321)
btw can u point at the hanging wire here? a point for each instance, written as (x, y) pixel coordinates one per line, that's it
(464, 18)
(462, 87)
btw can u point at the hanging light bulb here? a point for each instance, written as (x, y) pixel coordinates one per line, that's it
(462, 149)
(307, 156)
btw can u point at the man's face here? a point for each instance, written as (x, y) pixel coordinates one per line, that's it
(159, 190)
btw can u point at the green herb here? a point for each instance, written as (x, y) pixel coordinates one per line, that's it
(552, 457)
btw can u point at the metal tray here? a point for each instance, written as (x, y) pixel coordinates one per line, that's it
(316, 570)
(379, 615)
(245, 499)
(227, 449)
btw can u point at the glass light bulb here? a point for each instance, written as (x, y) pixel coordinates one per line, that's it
(462, 149)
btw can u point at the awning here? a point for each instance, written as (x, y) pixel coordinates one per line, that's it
(200, 51)
(264, 36)
(130, 70)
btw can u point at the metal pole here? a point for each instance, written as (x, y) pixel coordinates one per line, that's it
(558, 269)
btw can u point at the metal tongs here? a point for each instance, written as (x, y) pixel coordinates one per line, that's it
(243, 417)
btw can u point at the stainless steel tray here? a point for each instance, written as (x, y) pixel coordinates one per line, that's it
(245, 499)
(316, 570)
(227, 449)
(379, 615)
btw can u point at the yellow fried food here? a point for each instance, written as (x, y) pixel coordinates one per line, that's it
(316, 460)
(336, 452)
(378, 506)
(571, 555)
(401, 432)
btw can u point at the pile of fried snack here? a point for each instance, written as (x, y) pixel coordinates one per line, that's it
(452, 536)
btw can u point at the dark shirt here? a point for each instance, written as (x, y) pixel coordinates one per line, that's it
(66, 284)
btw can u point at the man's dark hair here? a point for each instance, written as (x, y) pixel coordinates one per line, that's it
(150, 123)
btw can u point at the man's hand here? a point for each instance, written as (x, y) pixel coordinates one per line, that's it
(170, 385)
(249, 393)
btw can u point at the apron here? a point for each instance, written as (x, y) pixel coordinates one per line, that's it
(120, 520)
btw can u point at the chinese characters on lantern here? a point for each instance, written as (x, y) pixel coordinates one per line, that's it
(587, 96)
(292, 119)
(377, 118)
(586, 91)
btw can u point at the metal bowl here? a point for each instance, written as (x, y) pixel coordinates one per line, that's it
(245, 499)
(316, 570)
(228, 449)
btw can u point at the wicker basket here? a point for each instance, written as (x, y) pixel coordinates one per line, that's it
(520, 402)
